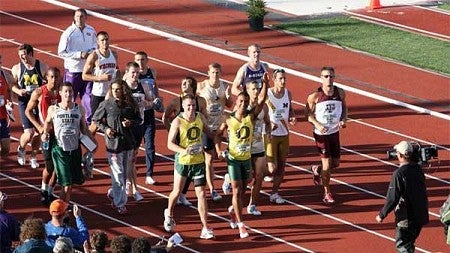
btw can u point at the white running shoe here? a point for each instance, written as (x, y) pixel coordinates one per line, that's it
(137, 196)
(251, 209)
(34, 163)
(149, 180)
(226, 186)
(169, 223)
(182, 200)
(268, 179)
(127, 187)
(207, 233)
(21, 156)
(243, 231)
(233, 219)
(215, 196)
(276, 198)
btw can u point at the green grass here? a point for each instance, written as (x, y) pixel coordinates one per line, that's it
(410, 48)
(444, 6)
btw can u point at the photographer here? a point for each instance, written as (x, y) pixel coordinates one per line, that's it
(407, 194)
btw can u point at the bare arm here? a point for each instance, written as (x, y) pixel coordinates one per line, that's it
(228, 97)
(15, 71)
(292, 117)
(309, 112)
(343, 120)
(32, 104)
(88, 69)
(236, 87)
(48, 124)
(170, 112)
(171, 138)
(202, 106)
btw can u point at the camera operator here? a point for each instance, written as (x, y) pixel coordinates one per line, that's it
(407, 194)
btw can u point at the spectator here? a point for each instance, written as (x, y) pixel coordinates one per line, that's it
(32, 237)
(75, 45)
(121, 244)
(9, 227)
(56, 227)
(63, 245)
(407, 195)
(142, 245)
(28, 75)
(99, 241)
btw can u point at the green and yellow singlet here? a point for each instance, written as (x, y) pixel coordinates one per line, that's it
(240, 136)
(191, 135)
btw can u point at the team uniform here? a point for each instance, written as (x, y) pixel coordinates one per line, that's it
(214, 110)
(29, 79)
(66, 153)
(47, 99)
(4, 128)
(240, 137)
(191, 165)
(106, 65)
(278, 147)
(258, 148)
(328, 112)
(253, 75)
(72, 43)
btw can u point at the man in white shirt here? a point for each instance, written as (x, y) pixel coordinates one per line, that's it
(75, 44)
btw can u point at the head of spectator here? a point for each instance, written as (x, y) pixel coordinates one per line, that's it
(63, 245)
(79, 18)
(99, 241)
(121, 244)
(141, 245)
(58, 209)
(404, 151)
(32, 228)
(26, 54)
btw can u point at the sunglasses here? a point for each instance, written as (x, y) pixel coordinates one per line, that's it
(328, 76)
(275, 71)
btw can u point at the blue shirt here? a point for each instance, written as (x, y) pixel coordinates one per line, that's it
(78, 235)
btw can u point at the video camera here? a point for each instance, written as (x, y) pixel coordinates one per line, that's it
(419, 155)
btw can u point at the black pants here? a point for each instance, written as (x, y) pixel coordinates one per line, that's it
(405, 237)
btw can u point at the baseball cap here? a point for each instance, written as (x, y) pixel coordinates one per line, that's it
(404, 148)
(58, 207)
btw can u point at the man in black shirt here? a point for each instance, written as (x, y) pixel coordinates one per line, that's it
(407, 194)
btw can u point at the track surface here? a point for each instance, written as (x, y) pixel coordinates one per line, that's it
(304, 223)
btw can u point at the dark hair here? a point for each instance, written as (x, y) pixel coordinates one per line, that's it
(331, 69)
(82, 11)
(54, 70)
(141, 245)
(127, 97)
(275, 71)
(66, 84)
(215, 65)
(99, 240)
(244, 94)
(131, 64)
(142, 53)
(32, 228)
(189, 96)
(193, 83)
(28, 48)
(102, 33)
(121, 244)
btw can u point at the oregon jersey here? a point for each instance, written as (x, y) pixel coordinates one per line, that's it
(191, 136)
(240, 137)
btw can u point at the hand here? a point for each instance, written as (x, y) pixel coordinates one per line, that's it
(379, 219)
(22, 92)
(322, 129)
(86, 246)
(76, 211)
(292, 121)
(266, 77)
(274, 126)
(44, 137)
(110, 132)
(342, 124)
(126, 122)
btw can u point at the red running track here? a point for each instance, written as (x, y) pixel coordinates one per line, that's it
(303, 222)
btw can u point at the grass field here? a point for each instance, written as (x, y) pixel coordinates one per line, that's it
(445, 6)
(407, 47)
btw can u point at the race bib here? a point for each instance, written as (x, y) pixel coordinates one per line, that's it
(69, 139)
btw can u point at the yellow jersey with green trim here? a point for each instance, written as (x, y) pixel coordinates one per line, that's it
(191, 136)
(240, 137)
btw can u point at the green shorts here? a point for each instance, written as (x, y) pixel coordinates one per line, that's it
(194, 171)
(239, 170)
(67, 166)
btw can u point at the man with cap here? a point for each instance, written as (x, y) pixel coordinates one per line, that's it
(56, 227)
(407, 195)
(9, 227)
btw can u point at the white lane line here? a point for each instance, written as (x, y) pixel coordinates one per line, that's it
(433, 9)
(397, 25)
(245, 58)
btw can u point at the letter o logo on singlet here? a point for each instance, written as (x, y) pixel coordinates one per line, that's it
(193, 133)
(243, 132)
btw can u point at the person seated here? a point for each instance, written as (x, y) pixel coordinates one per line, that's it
(32, 237)
(9, 227)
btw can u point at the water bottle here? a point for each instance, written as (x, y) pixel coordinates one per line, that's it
(45, 145)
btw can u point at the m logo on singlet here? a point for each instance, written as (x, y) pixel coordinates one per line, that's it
(330, 108)
(243, 132)
(285, 105)
(30, 80)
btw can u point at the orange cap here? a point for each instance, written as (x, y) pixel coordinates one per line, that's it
(58, 207)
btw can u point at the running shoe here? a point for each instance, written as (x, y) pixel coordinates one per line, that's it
(149, 180)
(316, 170)
(251, 209)
(233, 219)
(122, 210)
(182, 200)
(169, 223)
(110, 196)
(207, 233)
(226, 186)
(127, 187)
(215, 196)
(34, 163)
(21, 156)
(268, 179)
(276, 198)
(44, 198)
(137, 196)
(243, 231)
(328, 198)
